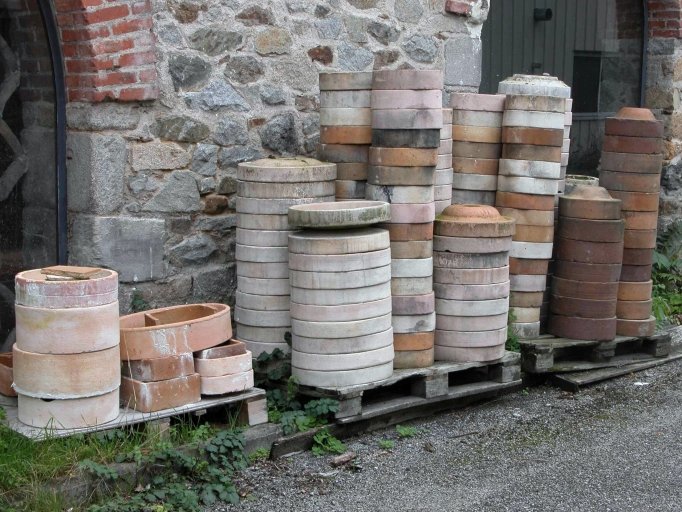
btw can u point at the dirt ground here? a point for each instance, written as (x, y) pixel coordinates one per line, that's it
(616, 446)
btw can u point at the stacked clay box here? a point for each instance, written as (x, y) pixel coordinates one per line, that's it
(442, 178)
(631, 171)
(66, 358)
(589, 252)
(224, 369)
(477, 146)
(471, 281)
(407, 119)
(345, 129)
(266, 190)
(340, 272)
(157, 349)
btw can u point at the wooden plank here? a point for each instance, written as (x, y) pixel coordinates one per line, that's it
(615, 362)
(574, 381)
(126, 416)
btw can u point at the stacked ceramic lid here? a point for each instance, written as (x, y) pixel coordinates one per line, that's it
(345, 129)
(157, 349)
(340, 272)
(66, 358)
(471, 281)
(631, 171)
(442, 180)
(529, 177)
(477, 146)
(589, 253)
(566, 146)
(224, 369)
(266, 190)
(407, 119)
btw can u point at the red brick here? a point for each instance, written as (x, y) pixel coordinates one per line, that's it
(142, 7)
(132, 25)
(136, 59)
(106, 14)
(459, 7)
(146, 93)
(112, 46)
(84, 34)
(86, 65)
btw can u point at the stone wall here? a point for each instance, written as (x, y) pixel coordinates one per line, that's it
(152, 183)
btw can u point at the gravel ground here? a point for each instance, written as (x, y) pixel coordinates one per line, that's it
(613, 447)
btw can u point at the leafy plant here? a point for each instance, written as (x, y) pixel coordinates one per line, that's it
(512, 343)
(137, 302)
(667, 275)
(324, 442)
(406, 431)
(97, 470)
(259, 454)
(386, 444)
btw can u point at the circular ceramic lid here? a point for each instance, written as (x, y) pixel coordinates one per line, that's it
(341, 215)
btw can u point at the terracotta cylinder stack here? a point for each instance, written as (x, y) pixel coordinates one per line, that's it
(266, 190)
(157, 349)
(340, 272)
(407, 119)
(476, 146)
(346, 129)
(66, 358)
(442, 180)
(631, 171)
(589, 252)
(566, 147)
(224, 369)
(471, 283)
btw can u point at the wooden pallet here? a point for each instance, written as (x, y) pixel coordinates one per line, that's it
(548, 354)
(427, 388)
(252, 403)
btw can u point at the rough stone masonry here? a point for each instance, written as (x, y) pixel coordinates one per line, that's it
(151, 183)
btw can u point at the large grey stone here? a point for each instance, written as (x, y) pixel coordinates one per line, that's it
(272, 94)
(229, 132)
(329, 28)
(159, 155)
(215, 284)
(206, 185)
(243, 69)
(102, 116)
(421, 48)
(193, 250)
(273, 41)
(356, 29)
(222, 224)
(217, 95)
(409, 11)
(95, 172)
(230, 157)
(131, 246)
(205, 159)
(181, 129)
(301, 74)
(142, 183)
(215, 40)
(383, 32)
(179, 194)
(280, 134)
(364, 4)
(169, 33)
(463, 62)
(354, 58)
(256, 15)
(187, 71)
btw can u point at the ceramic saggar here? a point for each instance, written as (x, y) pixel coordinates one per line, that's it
(225, 369)
(267, 189)
(471, 262)
(589, 253)
(66, 362)
(345, 129)
(631, 171)
(340, 297)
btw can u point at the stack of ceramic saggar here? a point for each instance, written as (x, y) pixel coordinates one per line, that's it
(589, 251)
(266, 190)
(340, 272)
(345, 129)
(631, 171)
(471, 281)
(566, 146)
(530, 167)
(67, 365)
(477, 146)
(442, 180)
(157, 349)
(407, 119)
(224, 369)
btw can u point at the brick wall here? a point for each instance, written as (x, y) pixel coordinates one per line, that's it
(108, 49)
(665, 18)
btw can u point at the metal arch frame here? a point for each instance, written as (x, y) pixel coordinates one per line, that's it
(50, 26)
